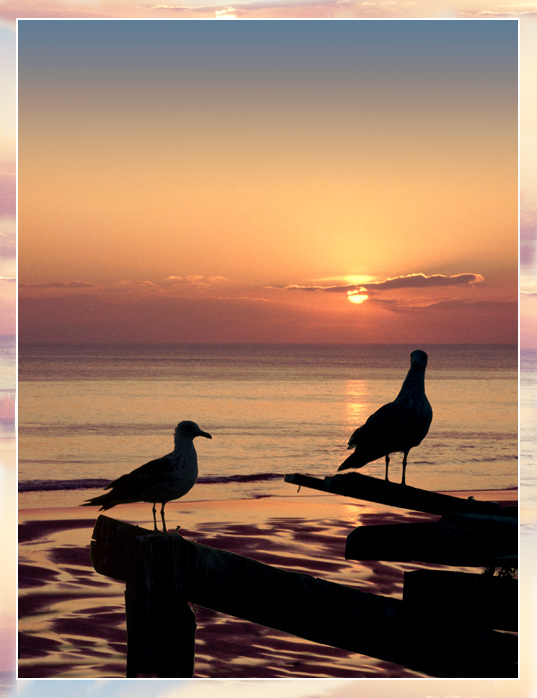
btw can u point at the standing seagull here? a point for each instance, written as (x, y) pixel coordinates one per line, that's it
(160, 480)
(398, 426)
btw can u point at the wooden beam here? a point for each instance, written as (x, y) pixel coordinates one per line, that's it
(473, 599)
(454, 540)
(393, 494)
(305, 606)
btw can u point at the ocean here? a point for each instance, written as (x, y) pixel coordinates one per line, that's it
(87, 414)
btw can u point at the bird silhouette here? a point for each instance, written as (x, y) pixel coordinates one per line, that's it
(397, 426)
(159, 480)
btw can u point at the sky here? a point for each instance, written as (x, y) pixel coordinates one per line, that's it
(268, 181)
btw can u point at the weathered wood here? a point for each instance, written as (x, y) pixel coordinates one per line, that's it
(299, 604)
(473, 541)
(393, 494)
(161, 626)
(469, 598)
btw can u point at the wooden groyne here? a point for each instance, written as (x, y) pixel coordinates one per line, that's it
(469, 533)
(164, 574)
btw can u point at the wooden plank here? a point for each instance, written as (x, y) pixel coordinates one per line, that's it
(454, 540)
(393, 494)
(305, 606)
(471, 598)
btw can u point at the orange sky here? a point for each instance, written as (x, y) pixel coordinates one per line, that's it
(173, 194)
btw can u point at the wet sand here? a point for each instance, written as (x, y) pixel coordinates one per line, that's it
(72, 620)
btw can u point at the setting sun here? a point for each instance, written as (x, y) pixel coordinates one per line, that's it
(356, 297)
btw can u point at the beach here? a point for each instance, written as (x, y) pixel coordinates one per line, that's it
(72, 620)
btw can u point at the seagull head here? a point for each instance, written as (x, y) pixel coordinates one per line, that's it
(190, 430)
(418, 359)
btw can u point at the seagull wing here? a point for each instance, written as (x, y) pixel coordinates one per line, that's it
(139, 481)
(377, 427)
(386, 431)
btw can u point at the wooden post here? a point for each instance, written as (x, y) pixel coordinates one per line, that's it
(177, 571)
(161, 626)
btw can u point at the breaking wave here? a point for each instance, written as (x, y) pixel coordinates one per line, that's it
(97, 483)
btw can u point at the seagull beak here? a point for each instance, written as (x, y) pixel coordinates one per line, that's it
(205, 434)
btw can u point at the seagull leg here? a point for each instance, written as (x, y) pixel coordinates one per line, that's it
(165, 530)
(154, 515)
(387, 464)
(405, 454)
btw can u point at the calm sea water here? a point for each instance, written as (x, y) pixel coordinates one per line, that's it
(87, 414)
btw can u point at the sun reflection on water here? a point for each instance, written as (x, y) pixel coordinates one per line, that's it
(358, 403)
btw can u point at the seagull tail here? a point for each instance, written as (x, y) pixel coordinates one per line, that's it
(353, 461)
(104, 500)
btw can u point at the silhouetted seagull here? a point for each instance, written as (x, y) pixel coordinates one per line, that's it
(398, 426)
(160, 480)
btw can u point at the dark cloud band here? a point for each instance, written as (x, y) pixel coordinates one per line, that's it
(409, 281)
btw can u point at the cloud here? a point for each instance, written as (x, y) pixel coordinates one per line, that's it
(483, 307)
(423, 281)
(196, 280)
(328, 289)
(62, 284)
(171, 285)
(127, 289)
(398, 282)
(453, 307)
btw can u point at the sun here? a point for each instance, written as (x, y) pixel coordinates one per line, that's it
(356, 296)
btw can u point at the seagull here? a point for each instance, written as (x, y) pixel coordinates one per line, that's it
(398, 426)
(160, 480)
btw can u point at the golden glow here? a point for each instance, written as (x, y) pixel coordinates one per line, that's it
(356, 297)
(358, 279)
